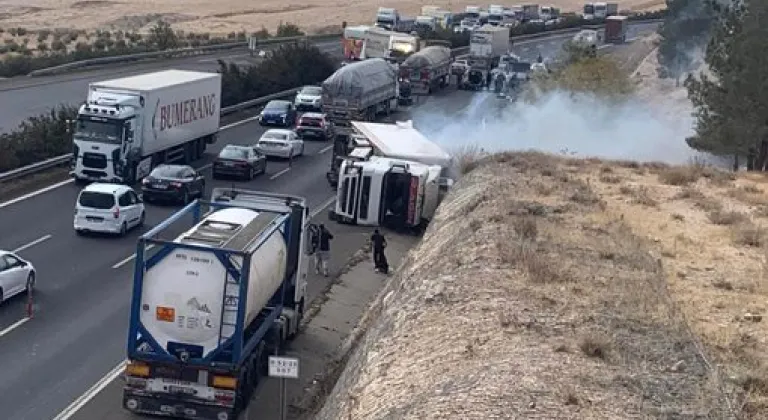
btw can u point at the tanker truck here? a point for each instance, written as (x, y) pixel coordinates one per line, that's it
(427, 69)
(212, 304)
(358, 91)
(128, 126)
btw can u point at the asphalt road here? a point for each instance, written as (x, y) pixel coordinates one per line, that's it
(84, 283)
(30, 96)
(34, 96)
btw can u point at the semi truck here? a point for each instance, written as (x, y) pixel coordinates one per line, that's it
(486, 45)
(616, 29)
(530, 12)
(427, 69)
(357, 91)
(128, 126)
(211, 305)
(395, 177)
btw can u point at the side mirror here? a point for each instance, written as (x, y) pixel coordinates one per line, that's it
(22, 263)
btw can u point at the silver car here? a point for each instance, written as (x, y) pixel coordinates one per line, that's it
(16, 275)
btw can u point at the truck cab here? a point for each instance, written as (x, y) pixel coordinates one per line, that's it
(103, 136)
(380, 191)
(387, 18)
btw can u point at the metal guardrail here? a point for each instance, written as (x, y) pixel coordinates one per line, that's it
(65, 159)
(207, 49)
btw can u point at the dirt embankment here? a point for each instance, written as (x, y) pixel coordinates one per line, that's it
(537, 293)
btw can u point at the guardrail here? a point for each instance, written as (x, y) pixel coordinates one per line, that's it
(65, 159)
(175, 53)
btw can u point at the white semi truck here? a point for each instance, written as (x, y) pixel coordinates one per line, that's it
(128, 126)
(395, 177)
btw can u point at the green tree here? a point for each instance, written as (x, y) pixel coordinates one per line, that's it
(731, 104)
(162, 36)
(686, 27)
(285, 30)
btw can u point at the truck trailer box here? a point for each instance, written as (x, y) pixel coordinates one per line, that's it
(402, 141)
(489, 41)
(176, 106)
(616, 29)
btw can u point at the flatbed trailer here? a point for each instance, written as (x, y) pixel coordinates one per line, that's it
(171, 377)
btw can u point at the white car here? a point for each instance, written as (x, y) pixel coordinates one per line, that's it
(108, 208)
(17, 275)
(309, 97)
(280, 143)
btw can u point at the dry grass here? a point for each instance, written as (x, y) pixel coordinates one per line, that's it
(720, 217)
(484, 327)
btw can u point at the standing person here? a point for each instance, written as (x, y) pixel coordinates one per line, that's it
(324, 251)
(379, 259)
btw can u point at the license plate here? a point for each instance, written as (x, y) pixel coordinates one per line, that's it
(93, 219)
(160, 186)
(181, 390)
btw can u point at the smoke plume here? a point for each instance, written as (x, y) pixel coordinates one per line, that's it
(578, 125)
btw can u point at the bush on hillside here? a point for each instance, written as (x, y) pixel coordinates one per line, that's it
(106, 44)
(288, 66)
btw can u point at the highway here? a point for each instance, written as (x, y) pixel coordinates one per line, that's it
(34, 96)
(79, 329)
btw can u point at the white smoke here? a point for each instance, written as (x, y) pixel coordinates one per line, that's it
(577, 125)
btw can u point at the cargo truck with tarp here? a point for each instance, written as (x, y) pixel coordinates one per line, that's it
(359, 91)
(427, 69)
(210, 305)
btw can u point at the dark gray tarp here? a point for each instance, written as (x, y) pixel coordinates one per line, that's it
(360, 78)
(428, 57)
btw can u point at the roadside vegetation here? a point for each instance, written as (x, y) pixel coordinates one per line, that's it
(45, 136)
(23, 51)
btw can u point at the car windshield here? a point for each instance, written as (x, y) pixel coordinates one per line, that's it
(277, 106)
(312, 90)
(274, 135)
(96, 200)
(233, 153)
(167, 172)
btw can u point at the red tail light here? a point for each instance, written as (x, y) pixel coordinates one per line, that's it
(116, 212)
(176, 184)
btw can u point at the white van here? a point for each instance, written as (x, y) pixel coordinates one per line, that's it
(108, 208)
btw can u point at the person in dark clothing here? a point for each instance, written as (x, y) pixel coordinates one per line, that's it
(379, 259)
(323, 252)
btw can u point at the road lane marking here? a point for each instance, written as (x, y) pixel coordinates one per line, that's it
(322, 207)
(325, 149)
(283, 172)
(130, 258)
(238, 123)
(31, 244)
(15, 325)
(81, 401)
(35, 193)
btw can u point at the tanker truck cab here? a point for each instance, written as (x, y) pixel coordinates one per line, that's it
(210, 305)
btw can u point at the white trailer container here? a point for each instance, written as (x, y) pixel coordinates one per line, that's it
(489, 41)
(129, 125)
(402, 141)
(376, 43)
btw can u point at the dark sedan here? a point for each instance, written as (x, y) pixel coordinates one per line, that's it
(280, 113)
(177, 183)
(240, 161)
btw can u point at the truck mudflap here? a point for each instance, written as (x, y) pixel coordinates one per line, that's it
(169, 405)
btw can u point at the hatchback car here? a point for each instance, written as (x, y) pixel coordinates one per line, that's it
(309, 97)
(315, 125)
(178, 183)
(278, 113)
(17, 275)
(108, 208)
(281, 143)
(240, 161)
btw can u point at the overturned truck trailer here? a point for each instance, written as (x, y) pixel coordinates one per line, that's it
(427, 69)
(359, 91)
